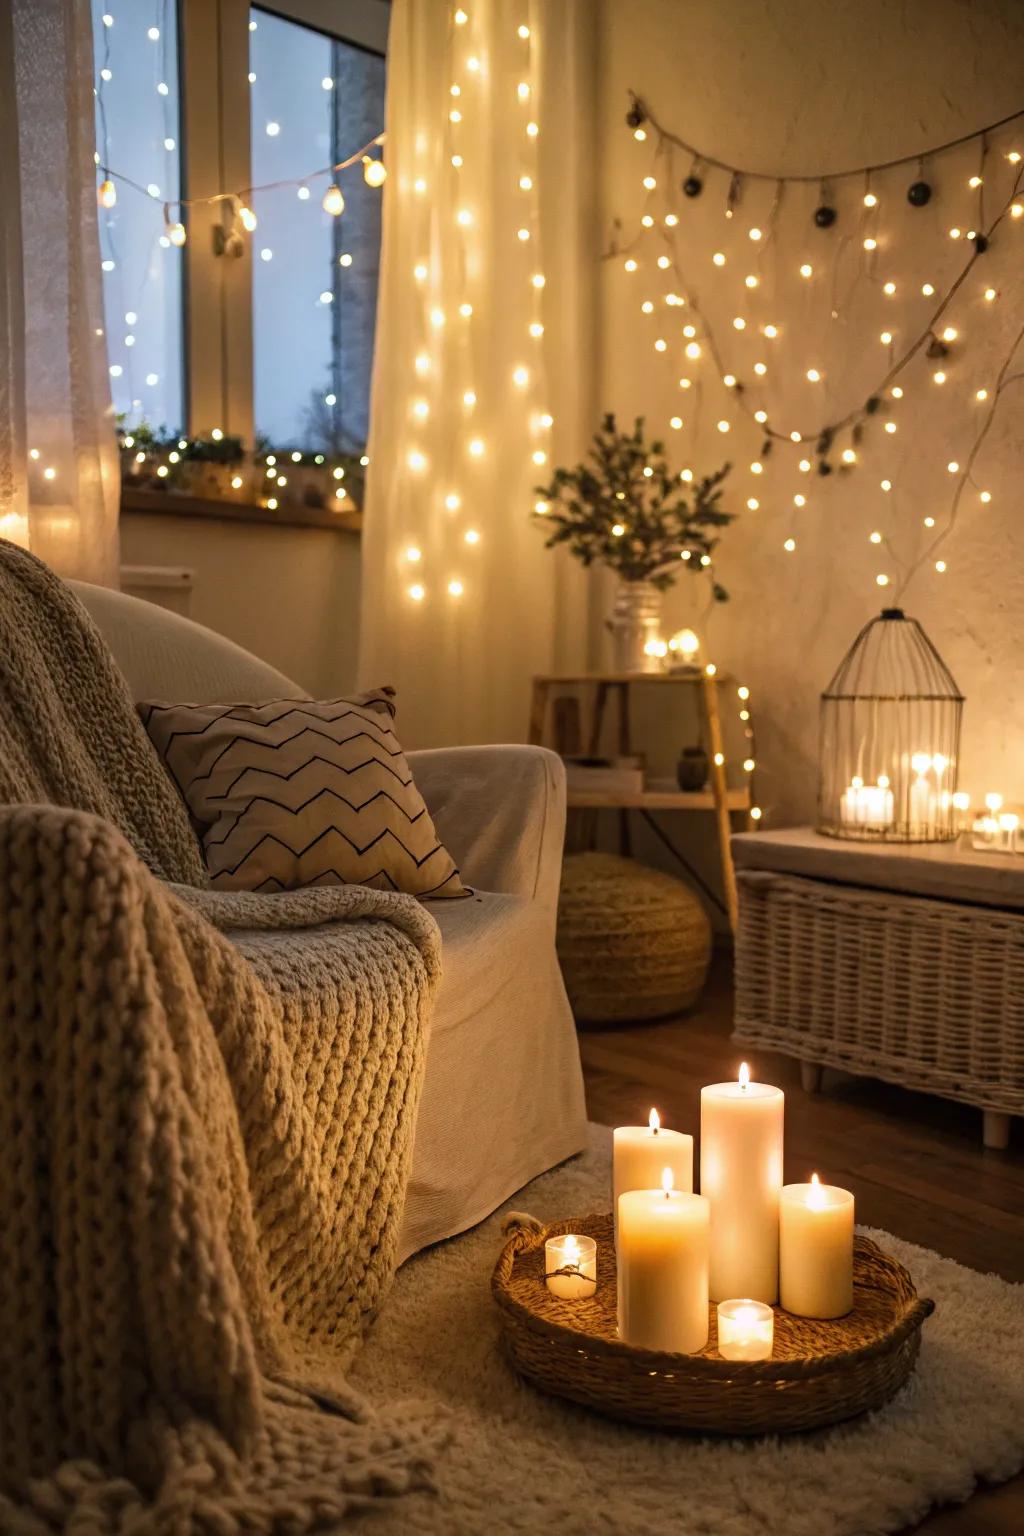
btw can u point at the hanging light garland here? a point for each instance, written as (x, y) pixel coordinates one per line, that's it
(834, 444)
(244, 220)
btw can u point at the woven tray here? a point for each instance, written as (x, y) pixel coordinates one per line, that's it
(819, 1373)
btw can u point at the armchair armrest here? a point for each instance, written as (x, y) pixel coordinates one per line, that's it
(500, 812)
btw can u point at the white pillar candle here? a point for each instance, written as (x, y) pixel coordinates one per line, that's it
(641, 1152)
(662, 1264)
(816, 1249)
(570, 1266)
(746, 1329)
(741, 1174)
(867, 805)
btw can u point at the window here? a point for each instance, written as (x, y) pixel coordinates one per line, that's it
(270, 337)
(314, 100)
(137, 134)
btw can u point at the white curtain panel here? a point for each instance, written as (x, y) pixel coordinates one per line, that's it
(483, 368)
(59, 478)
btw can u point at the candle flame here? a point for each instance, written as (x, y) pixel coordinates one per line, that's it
(654, 1121)
(571, 1249)
(667, 1181)
(816, 1194)
(744, 1075)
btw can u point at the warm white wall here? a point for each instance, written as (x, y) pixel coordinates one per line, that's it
(289, 595)
(798, 87)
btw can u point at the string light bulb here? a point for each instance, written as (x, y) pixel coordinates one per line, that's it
(176, 233)
(333, 201)
(375, 172)
(247, 217)
(107, 193)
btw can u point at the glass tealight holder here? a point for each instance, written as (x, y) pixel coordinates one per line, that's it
(570, 1266)
(746, 1329)
(996, 833)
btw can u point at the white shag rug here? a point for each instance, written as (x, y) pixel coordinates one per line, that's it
(521, 1462)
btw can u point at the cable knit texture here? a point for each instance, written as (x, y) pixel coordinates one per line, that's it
(206, 1113)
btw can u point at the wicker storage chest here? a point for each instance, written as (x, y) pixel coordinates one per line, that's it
(905, 968)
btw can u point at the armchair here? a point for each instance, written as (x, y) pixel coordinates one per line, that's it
(502, 1097)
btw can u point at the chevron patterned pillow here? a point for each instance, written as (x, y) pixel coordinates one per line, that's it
(298, 792)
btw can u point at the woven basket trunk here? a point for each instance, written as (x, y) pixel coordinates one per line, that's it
(928, 994)
(820, 1373)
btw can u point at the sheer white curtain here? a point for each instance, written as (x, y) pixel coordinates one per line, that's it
(58, 462)
(483, 369)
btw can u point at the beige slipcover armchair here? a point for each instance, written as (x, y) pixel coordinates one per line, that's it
(503, 1096)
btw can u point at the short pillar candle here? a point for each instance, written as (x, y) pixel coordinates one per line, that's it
(640, 1153)
(741, 1174)
(746, 1329)
(570, 1266)
(662, 1263)
(816, 1249)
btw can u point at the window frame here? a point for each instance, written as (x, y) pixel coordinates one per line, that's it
(216, 133)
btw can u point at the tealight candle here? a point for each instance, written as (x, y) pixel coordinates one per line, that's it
(662, 1263)
(746, 1329)
(741, 1173)
(816, 1249)
(641, 1152)
(570, 1266)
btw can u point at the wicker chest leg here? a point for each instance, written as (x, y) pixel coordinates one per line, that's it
(810, 1076)
(996, 1130)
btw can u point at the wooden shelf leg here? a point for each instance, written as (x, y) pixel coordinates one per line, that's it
(721, 795)
(810, 1077)
(538, 712)
(996, 1129)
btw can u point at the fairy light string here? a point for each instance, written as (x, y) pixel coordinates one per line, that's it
(935, 338)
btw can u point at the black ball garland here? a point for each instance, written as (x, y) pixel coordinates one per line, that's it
(636, 115)
(825, 216)
(918, 193)
(693, 186)
(981, 244)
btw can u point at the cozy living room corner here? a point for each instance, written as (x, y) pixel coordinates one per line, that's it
(511, 768)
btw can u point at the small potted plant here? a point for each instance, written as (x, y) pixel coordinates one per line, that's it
(624, 508)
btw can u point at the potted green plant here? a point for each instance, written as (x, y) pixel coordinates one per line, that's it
(623, 507)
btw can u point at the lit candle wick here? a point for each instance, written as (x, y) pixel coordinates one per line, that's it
(667, 1181)
(654, 1121)
(744, 1076)
(816, 1194)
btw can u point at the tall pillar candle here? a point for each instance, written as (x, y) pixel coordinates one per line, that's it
(662, 1269)
(741, 1175)
(816, 1250)
(641, 1153)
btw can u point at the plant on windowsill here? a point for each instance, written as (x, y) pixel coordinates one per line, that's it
(624, 508)
(222, 469)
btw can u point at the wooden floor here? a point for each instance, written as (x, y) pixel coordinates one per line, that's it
(915, 1164)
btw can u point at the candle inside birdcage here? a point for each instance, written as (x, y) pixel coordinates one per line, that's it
(890, 735)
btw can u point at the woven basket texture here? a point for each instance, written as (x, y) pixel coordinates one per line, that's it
(820, 1372)
(634, 943)
(925, 993)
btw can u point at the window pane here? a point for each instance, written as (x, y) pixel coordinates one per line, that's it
(314, 101)
(137, 137)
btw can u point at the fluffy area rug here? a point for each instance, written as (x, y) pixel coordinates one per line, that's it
(518, 1461)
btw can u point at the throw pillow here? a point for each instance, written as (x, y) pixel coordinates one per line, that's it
(297, 792)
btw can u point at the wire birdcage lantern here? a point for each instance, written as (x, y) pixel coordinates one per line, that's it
(890, 738)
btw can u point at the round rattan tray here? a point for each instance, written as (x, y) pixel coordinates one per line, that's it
(820, 1372)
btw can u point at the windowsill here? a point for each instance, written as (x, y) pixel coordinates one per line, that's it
(347, 519)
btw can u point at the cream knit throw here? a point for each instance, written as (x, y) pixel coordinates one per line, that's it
(204, 1144)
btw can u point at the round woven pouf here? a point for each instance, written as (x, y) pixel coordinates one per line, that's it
(633, 943)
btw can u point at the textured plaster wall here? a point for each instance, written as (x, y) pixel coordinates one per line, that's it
(798, 87)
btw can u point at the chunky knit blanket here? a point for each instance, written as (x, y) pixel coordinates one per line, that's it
(206, 1106)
